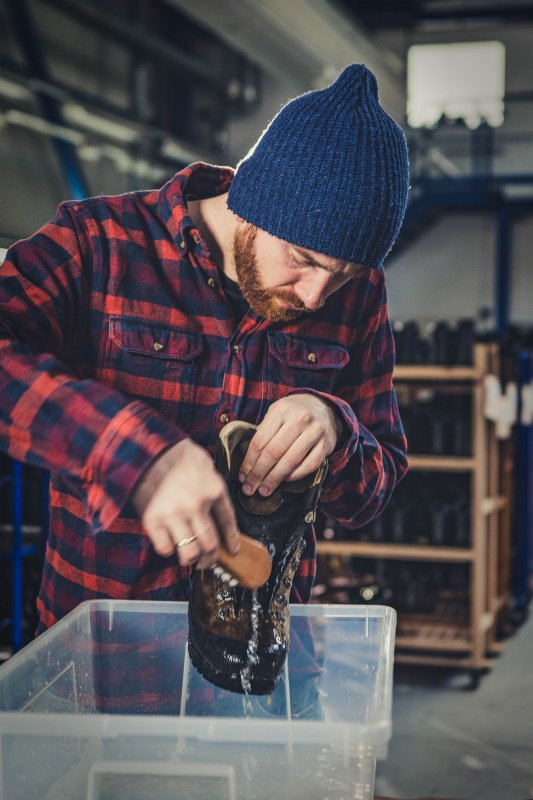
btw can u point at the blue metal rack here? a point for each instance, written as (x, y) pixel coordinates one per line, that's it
(18, 551)
(523, 555)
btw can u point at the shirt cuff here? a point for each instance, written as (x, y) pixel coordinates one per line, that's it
(124, 451)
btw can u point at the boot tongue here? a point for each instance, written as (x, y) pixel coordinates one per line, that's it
(262, 506)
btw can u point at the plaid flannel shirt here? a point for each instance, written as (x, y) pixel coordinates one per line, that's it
(117, 341)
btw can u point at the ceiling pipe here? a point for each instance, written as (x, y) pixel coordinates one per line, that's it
(138, 38)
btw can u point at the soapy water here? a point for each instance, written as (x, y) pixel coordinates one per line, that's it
(251, 654)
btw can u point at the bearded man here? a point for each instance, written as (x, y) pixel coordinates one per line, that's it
(133, 328)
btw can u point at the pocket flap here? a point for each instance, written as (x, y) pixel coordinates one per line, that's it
(154, 339)
(307, 353)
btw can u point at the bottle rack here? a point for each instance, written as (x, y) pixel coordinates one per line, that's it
(461, 630)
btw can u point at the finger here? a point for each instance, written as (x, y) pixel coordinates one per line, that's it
(160, 538)
(310, 464)
(266, 430)
(186, 542)
(226, 522)
(293, 460)
(288, 449)
(207, 539)
(273, 452)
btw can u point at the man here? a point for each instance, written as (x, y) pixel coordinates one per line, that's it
(133, 328)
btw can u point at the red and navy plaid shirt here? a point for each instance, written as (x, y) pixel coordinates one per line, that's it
(116, 341)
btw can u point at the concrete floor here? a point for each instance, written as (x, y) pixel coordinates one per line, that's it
(454, 742)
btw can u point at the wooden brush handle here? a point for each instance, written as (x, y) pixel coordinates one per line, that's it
(251, 566)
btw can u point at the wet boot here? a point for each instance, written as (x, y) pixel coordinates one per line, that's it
(239, 638)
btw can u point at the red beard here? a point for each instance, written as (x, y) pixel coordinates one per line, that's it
(269, 303)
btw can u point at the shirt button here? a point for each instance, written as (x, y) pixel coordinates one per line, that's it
(182, 244)
(224, 418)
(211, 282)
(158, 346)
(311, 357)
(235, 349)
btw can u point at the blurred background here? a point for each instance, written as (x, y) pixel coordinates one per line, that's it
(105, 98)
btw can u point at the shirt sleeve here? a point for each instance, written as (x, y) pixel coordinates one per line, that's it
(51, 416)
(371, 456)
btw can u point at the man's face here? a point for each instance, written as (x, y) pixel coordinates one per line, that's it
(281, 281)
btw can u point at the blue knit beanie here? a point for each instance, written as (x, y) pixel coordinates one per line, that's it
(330, 173)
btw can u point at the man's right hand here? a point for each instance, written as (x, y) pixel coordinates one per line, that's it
(184, 506)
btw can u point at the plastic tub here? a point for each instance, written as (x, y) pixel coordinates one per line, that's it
(106, 706)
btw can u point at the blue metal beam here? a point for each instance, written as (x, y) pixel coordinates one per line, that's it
(502, 283)
(17, 595)
(523, 555)
(478, 183)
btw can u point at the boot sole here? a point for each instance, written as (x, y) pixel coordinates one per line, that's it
(209, 653)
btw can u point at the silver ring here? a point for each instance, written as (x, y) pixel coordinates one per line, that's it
(185, 542)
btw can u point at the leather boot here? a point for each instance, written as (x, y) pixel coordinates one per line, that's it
(239, 638)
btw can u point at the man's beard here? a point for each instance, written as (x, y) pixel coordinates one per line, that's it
(262, 301)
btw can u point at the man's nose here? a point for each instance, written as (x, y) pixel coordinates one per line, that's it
(313, 289)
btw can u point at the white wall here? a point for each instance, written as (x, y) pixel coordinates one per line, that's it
(522, 294)
(446, 274)
(450, 272)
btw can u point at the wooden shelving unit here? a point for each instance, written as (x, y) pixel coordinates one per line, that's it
(464, 637)
(422, 372)
(442, 463)
(398, 552)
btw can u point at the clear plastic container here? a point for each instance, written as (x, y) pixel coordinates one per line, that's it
(106, 706)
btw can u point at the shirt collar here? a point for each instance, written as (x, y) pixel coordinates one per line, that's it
(198, 179)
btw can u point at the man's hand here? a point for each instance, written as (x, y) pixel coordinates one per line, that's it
(185, 507)
(293, 439)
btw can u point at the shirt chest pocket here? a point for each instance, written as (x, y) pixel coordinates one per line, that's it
(295, 362)
(154, 362)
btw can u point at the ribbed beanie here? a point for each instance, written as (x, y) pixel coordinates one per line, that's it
(330, 173)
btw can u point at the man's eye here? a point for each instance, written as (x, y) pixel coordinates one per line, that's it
(302, 262)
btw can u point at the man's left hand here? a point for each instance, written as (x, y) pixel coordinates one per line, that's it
(293, 439)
